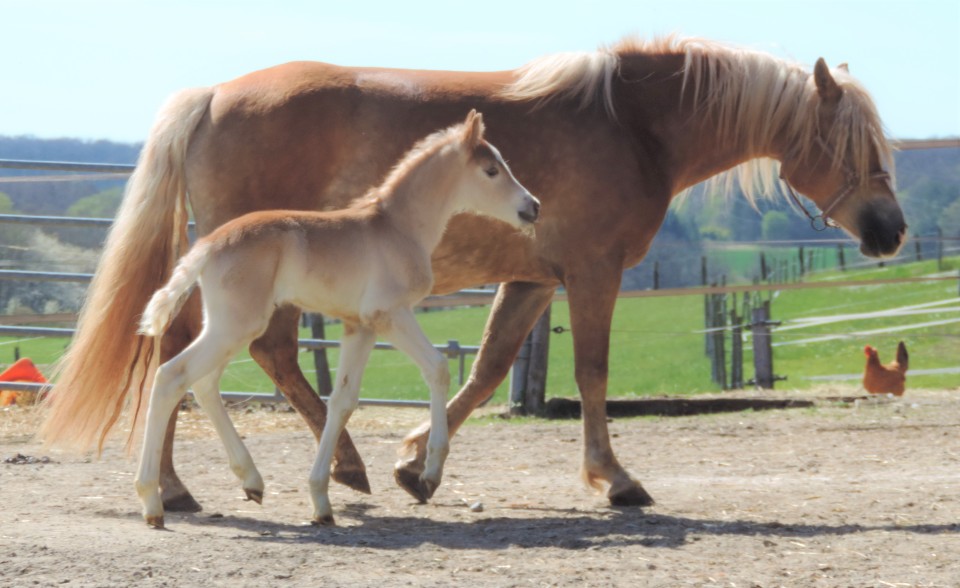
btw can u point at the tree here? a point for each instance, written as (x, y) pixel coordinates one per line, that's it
(776, 225)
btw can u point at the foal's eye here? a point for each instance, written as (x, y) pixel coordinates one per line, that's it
(492, 171)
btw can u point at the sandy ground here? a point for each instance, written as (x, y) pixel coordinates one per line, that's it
(866, 494)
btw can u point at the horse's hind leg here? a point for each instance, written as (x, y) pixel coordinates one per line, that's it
(175, 495)
(207, 391)
(516, 307)
(276, 352)
(355, 348)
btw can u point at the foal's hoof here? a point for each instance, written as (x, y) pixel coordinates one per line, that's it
(324, 521)
(633, 495)
(155, 521)
(352, 476)
(254, 495)
(181, 503)
(407, 474)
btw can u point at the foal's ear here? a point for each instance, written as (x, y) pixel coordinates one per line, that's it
(473, 129)
(826, 86)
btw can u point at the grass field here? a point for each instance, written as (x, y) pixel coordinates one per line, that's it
(655, 346)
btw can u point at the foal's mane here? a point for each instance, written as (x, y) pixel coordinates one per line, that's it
(749, 96)
(420, 152)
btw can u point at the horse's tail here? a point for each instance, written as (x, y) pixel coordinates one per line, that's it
(105, 359)
(166, 302)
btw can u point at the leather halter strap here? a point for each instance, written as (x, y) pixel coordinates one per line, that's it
(821, 221)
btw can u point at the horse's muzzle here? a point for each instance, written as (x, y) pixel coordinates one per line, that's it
(882, 230)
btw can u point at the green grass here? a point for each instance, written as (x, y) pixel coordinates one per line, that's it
(654, 348)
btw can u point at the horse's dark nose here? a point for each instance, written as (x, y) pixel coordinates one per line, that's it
(882, 230)
(532, 212)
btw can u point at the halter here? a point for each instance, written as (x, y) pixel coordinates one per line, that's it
(821, 221)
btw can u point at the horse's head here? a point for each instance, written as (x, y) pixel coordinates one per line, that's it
(488, 186)
(843, 166)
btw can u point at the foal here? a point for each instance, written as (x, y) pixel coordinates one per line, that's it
(367, 265)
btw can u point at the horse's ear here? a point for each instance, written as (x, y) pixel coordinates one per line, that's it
(473, 129)
(826, 86)
(845, 67)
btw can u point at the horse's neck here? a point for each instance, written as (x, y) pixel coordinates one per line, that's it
(421, 203)
(696, 147)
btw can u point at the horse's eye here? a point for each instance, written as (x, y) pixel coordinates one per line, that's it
(492, 171)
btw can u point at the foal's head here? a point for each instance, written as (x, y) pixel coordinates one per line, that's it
(486, 184)
(845, 164)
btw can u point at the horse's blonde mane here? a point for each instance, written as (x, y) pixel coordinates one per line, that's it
(751, 98)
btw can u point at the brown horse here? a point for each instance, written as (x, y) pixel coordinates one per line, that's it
(605, 139)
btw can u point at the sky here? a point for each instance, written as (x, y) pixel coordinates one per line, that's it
(100, 69)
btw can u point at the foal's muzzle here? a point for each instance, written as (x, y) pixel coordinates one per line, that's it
(531, 211)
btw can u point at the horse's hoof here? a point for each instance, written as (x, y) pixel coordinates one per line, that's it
(181, 503)
(633, 495)
(324, 521)
(352, 477)
(254, 495)
(155, 521)
(407, 476)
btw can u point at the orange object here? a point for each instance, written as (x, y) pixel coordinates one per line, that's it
(22, 370)
(886, 379)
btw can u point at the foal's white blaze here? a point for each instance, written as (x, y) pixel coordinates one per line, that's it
(367, 265)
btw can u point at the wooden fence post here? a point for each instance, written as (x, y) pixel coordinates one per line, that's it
(939, 249)
(736, 348)
(528, 378)
(762, 350)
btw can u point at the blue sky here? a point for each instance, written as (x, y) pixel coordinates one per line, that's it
(99, 69)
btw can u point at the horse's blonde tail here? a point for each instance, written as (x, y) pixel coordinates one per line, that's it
(166, 302)
(104, 360)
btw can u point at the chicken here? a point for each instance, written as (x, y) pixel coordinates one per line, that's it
(885, 379)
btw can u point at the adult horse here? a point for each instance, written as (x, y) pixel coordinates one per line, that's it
(606, 139)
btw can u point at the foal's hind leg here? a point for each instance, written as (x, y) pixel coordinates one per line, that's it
(276, 352)
(204, 355)
(515, 309)
(207, 391)
(184, 329)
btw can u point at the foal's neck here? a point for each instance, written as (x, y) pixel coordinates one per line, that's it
(421, 203)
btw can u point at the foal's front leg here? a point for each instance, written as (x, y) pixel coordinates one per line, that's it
(355, 348)
(406, 335)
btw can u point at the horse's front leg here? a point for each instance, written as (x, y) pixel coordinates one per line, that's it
(516, 307)
(592, 294)
(276, 352)
(355, 348)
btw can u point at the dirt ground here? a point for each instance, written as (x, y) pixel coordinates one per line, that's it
(861, 494)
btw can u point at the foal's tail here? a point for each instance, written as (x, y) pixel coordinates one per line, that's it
(106, 358)
(166, 302)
